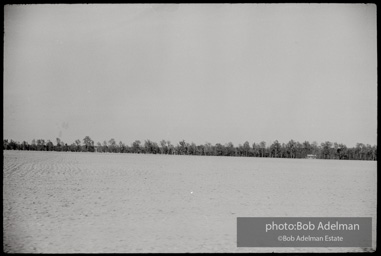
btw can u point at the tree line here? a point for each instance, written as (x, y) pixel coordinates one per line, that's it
(292, 149)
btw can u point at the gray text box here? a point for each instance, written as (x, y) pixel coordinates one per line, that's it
(304, 232)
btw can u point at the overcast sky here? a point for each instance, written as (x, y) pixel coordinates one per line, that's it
(202, 73)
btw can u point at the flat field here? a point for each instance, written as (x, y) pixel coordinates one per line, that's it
(61, 202)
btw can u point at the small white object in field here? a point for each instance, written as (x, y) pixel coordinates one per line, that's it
(191, 192)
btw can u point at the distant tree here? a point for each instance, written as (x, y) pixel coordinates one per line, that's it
(333, 154)
(256, 150)
(11, 145)
(220, 151)
(275, 149)
(315, 150)
(263, 148)
(283, 151)
(25, 145)
(5, 144)
(89, 144)
(99, 147)
(41, 145)
(151, 147)
(49, 146)
(78, 145)
(368, 152)
(351, 153)
(122, 147)
(201, 149)
(170, 148)
(307, 149)
(112, 145)
(230, 149)
(192, 149)
(15, 145)
(58, 147)
(246, 148)
(163, 148)
(155, 148)
(105, 147)
(33, 145)
(361, 151)
(326, 149)
(136, 146)
(208, 149)
(73, 147)
(342, 151)
(240, 150)
(182, 147)
(299, 150)
(65, 147)
(374, 153)
(148, 147)
(291, 149)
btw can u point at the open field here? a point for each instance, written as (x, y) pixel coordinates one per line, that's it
(92, 202)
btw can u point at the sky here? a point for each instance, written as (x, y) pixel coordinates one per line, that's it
(214, 73)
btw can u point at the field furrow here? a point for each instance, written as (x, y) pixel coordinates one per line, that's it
(61, 202)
